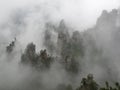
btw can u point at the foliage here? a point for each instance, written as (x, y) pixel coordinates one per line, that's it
(38, 60)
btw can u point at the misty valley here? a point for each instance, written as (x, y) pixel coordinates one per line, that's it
(58, 57)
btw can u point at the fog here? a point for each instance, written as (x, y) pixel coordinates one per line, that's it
(79, 13)
(41, 22)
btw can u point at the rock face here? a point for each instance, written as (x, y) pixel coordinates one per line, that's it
(108, 18)
(95, 45)
(67, 48)
(72, 48)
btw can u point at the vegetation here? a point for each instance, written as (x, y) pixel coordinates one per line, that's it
(68, 51)
(38, 60)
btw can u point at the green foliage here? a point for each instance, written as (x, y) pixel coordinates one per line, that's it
(108, 87)
(89, 84)
(38, 60)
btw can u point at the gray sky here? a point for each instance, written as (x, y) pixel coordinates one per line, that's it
(79, 13)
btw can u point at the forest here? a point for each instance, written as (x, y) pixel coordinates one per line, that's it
(80, 60)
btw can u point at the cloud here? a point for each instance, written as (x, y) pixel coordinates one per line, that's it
(79, 13)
